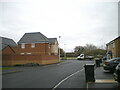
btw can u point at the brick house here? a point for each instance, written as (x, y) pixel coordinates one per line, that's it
(31, 48)
(37, 48)
(34, 43)
(7, 48)
(113, 48)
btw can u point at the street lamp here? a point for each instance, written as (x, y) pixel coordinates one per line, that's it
(64, 52)
(59, 48)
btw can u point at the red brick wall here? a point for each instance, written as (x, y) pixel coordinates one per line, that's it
(117, 47)
(9, 60)
(40, 48)
(39, 54)
(8, 50)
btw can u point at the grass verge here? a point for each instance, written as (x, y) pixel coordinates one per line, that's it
(5, 68)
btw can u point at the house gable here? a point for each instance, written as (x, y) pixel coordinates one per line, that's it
(8, 50)
(35, 37)
(7, 46)
(40, 42)
(113, 48)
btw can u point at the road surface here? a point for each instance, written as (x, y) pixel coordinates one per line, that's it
(49, 76)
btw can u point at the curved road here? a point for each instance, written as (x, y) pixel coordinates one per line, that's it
(48, 76)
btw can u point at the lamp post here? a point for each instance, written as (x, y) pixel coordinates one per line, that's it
(59, 48)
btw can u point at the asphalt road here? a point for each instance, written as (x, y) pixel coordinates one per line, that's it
(48, 76)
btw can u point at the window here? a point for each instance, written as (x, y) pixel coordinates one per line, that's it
(48, 46)
(33, 45)
(28, 53)
(23, 45)
(22, 53)
(113, 45)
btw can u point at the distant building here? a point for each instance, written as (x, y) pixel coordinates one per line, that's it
(113, 48)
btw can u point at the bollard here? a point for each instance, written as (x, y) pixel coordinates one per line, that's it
(89, 72)
(97, 62)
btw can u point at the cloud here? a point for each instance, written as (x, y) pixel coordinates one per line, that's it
(77, 22)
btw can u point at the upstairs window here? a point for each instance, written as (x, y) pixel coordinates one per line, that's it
(23, 45)
(33, 45)
(113, 45)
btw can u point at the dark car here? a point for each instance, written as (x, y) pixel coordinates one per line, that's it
(111, 64)
(104, 58)
(117, 73)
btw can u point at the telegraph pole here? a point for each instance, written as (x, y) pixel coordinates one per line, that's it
(59, 48)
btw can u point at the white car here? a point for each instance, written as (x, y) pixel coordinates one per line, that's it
(81, 57)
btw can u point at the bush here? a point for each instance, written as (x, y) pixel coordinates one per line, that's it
(28, 64)
(64, 58)
(31, 64)
(19, 65)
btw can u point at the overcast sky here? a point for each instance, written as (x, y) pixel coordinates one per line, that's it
(78, 22)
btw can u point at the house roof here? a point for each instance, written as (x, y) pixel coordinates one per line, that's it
(4, 42)
(35, 37)
(2, 46)
(52, 40)
(113, 40)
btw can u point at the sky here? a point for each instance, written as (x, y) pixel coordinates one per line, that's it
(78, 22)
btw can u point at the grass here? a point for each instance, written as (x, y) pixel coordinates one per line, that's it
(61, 61)
(68, 58)
(5, 68)
(72, 58)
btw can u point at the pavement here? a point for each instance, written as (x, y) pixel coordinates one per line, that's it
(104, 80)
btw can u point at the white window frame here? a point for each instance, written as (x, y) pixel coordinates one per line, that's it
(32, 45)
(22, 53)
(49, 46)
(113, 45)
(23, 45)
(28, 53)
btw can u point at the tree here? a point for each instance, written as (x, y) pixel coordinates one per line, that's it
(62, 52)
(90, 47)
(89, 50)
(78, 50)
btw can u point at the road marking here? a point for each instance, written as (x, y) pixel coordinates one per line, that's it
(66, 79)
(87, 86)
(105, 81)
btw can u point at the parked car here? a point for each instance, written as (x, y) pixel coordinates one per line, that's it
(81, 57)
(117, 73)
(111, 64)
(104, 58)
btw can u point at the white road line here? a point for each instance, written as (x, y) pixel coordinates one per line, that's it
(87, 86)
(66, 79)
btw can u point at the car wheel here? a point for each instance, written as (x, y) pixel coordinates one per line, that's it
(118, 81)
(112, 71)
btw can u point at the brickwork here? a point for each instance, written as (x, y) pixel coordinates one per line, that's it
(8, 50)
(40, 48)
(9, 60)
(42, 53)
(114, 46)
